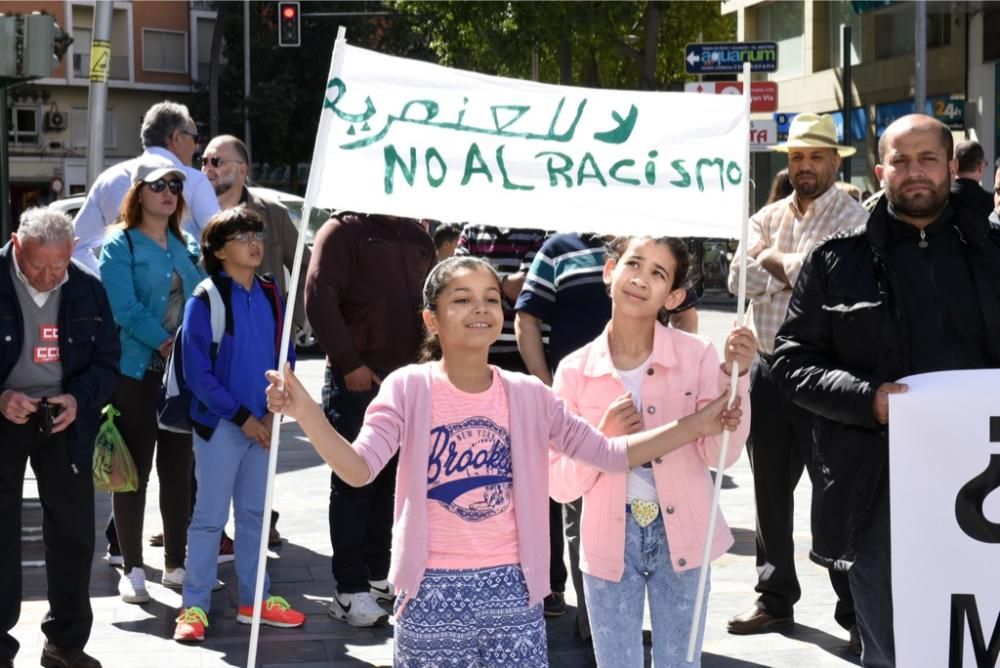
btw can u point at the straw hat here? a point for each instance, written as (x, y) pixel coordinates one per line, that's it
(813, 131)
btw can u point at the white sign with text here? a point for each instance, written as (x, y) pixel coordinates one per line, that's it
(409, 138)
(944, 455)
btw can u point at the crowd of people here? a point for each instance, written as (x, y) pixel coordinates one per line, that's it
(491, 397)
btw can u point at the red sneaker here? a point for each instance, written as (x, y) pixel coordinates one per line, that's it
(275, 612)
(191, 625)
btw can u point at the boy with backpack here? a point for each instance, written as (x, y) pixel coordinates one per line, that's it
(229, 417)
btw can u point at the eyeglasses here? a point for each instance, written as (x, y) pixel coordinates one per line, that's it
(193, 135)
(216, 162)
(247, 237)
(159, 185)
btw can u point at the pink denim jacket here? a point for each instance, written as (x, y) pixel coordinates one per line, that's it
(683, 376)
(399, 419)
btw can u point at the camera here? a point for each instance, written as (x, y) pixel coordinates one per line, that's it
(46, 414)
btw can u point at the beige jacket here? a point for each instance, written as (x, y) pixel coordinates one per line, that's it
(280, 237)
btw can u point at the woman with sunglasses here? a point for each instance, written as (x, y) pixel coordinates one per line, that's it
(149, 268)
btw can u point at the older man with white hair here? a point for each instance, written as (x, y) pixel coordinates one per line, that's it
(59, 354)
(169, 136)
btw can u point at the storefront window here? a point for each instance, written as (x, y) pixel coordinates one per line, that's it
(784, 23)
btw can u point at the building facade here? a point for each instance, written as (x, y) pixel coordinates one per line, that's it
(961, 85)
(159, 51)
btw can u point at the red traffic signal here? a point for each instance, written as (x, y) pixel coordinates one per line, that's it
(288, 24)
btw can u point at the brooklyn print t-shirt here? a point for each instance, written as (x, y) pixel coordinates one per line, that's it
(470, 501)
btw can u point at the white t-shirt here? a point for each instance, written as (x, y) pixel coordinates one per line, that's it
(641, 484)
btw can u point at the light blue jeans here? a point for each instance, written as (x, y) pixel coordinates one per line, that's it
(229, 467)
(616, 608)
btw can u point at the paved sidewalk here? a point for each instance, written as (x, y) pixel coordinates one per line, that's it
(132, 636)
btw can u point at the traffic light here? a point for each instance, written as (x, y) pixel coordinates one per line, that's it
(288, 24)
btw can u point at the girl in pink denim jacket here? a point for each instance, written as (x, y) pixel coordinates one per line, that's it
(470, 538)
(643, 530)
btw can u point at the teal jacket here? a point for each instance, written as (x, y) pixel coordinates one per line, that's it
(137, 280)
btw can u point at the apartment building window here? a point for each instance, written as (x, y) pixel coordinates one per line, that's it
(79, 128)
(894, 30)
(841, 14)
(23, 125)
(83, 21)
(784, 23)
(164, 51)
(204, 28)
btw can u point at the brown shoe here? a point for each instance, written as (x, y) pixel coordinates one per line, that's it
(758, 620)
(58, 657)
(854, 644)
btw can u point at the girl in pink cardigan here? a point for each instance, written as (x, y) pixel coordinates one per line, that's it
(643, 530)
(470, 539)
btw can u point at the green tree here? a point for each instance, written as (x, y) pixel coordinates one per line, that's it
(288, 83)
(638, 45)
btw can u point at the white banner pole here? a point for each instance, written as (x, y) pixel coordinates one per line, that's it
(286, 335)
(734, 377)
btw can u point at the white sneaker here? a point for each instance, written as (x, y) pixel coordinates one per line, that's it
(132, 586)
(357, 609)
(173, 579)
(382, 590)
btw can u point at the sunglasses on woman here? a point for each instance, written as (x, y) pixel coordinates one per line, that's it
(175, 185)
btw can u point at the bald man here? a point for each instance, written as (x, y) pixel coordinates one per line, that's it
(905, 290)
(226, 163)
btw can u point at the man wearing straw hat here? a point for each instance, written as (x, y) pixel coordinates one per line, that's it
(780, 445)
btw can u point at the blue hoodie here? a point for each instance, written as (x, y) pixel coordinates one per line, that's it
(233, 386)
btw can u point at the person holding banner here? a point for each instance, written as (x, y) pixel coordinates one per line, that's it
(471, 525)
(637, 374)
(915, 290)
(780, 445)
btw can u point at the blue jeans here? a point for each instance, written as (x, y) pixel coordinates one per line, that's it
(229, 467)
(616, 608)
(475, 618)
(871, 584)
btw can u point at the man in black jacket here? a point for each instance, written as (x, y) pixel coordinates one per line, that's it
(59, 353)
(971, 167)
(917, 289)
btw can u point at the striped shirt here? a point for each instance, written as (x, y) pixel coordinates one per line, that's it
(783, 227)
(565, 290)
(510, 251)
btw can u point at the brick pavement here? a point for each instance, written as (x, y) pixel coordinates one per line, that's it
(133, 636)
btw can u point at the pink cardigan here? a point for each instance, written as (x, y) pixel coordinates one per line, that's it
(399, 419)
(684, 375)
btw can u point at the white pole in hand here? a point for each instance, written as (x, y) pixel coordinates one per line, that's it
(734, 373)
(286, 335)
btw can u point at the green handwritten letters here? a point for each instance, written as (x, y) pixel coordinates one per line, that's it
(458, 153)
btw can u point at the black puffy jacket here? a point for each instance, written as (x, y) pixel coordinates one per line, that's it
(845, 335)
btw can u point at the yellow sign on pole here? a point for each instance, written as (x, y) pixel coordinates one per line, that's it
(100, 60)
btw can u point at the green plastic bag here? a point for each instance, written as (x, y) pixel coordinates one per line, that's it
(114, 470)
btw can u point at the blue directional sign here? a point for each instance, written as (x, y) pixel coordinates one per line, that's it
(717, 57)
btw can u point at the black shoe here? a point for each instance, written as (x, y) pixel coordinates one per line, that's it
(554, 604)
(758, 620)
(58, 657)
(854, 644)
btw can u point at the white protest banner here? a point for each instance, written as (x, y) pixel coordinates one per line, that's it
(944, 454)
(409, 138)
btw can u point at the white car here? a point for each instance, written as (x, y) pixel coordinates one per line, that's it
(305, 340)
